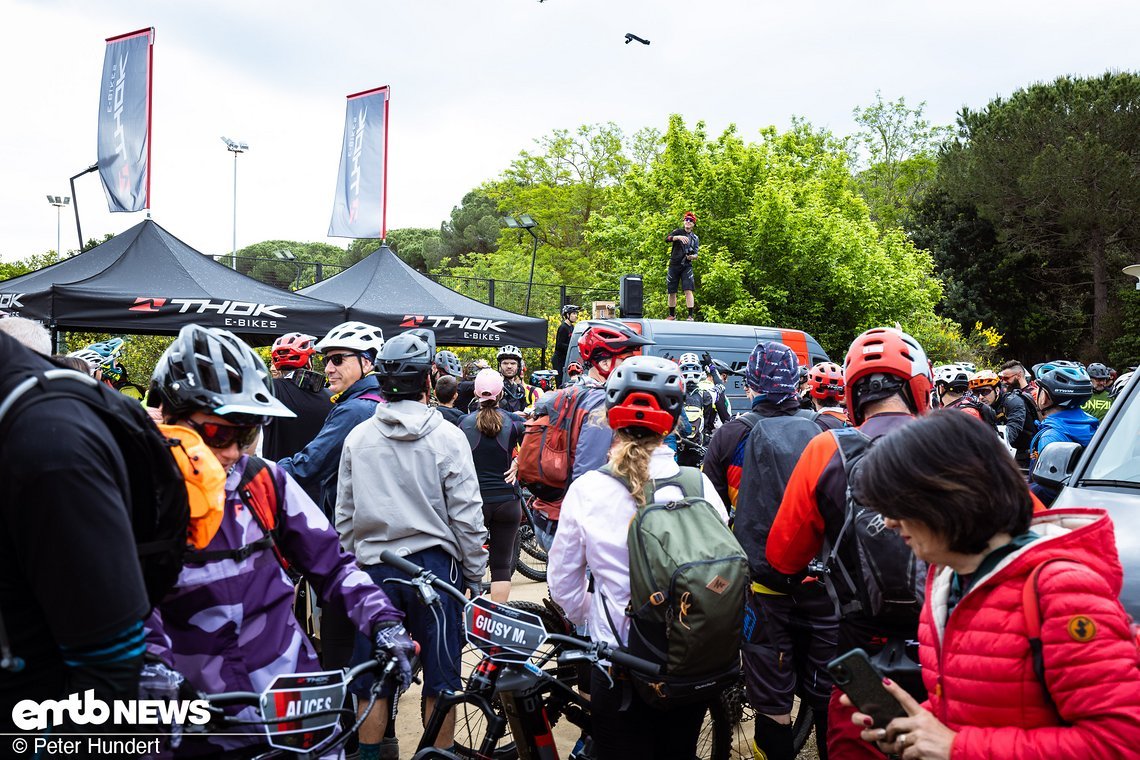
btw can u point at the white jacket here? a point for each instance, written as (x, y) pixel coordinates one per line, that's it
(592, 531)
(407, 483)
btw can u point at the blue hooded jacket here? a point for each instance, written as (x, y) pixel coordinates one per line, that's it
(318, 464)
(1073, 425)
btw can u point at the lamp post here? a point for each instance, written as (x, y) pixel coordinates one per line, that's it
(526, 222)
(59, 203)
(1133, 270)
(235, 147)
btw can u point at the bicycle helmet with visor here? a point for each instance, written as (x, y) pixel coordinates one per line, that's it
(646, 393)
(404, 363)
(606, 339)
(448, 363)
(881, 362)
(293, 351)
(359, 337)
(825, 380)
(1067, 383)
(212, 370)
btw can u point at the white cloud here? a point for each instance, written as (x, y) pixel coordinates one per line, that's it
(473, 82)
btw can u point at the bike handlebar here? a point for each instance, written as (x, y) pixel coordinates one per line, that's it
(605, 651)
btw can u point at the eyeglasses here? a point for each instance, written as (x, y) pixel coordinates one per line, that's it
(987, 391)
(337, 359)
(218, 436)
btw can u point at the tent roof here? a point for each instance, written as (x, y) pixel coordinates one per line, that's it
(384, 291)
(145, 280)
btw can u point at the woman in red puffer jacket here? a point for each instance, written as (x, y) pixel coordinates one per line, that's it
(953, 493)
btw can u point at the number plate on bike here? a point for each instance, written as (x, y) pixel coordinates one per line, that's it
(502, 632)
(297, 697)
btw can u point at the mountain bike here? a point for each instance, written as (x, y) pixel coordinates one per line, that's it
(536, 534)
(508, 638)
(302, 715)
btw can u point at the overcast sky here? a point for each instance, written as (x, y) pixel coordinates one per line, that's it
(473, 83)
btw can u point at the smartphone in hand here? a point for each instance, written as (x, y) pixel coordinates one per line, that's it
(862, 682)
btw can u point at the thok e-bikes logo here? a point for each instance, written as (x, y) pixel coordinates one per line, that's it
(234, 313)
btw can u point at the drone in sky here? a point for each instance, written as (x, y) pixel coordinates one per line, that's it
(630, 37)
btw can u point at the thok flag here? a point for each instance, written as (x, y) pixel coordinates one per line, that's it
(124, 121)
(361, 184)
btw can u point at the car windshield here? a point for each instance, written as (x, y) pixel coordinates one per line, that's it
(1118, 455)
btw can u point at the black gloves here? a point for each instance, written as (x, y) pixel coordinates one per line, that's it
(391, 639)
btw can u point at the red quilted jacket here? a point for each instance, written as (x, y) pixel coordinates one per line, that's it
(977, 665)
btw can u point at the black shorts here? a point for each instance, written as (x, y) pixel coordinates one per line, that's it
(790, 640)
(679, 273)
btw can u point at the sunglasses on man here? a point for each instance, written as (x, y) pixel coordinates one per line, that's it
(218, 436)
(337, 359)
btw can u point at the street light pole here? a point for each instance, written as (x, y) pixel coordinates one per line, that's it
(526, 222)
(59, 203)
(235, 147)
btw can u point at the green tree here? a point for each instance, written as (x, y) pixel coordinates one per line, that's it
(895, 157)
(1053, 168)
(785, 236)
(473, 227)
(421, 249)
(286, 264)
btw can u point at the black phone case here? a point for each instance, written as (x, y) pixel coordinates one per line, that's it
(854, 674)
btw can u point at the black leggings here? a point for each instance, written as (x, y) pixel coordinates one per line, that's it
(502, 520)
(639, 731)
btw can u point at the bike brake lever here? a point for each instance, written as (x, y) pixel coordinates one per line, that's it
(428, 594)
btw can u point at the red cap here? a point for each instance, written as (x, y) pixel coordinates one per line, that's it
(691, 215)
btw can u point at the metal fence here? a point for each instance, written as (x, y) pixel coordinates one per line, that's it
(544, 298)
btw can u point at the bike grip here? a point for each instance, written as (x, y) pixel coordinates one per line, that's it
(390, 557)
(634, 663)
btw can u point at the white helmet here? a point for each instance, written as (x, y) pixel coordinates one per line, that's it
(953, 375)
(353, 336)
(689, 358)
(509, 352)
(94, 358)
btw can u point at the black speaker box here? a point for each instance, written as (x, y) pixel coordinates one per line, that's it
(630, 299)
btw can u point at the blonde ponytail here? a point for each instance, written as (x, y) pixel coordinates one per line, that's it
(629, 460)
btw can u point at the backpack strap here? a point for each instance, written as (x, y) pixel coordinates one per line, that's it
(749, 419)
(260, 493)
(852, 445)
(1031, 605)
(688, 479)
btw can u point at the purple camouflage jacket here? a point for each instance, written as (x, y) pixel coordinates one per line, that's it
(228, 625)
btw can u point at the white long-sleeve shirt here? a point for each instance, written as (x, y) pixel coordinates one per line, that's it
(592, 531)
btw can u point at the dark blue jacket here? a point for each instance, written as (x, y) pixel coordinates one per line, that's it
(318, 464)
(1066, 425)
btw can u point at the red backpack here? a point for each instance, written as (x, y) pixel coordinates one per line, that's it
(546, 456)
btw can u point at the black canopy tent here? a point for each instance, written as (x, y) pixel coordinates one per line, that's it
(384, 291)
(146, 281)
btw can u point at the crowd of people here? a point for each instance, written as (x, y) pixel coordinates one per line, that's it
(882, 505)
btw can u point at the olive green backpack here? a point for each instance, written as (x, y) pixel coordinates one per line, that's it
(688, 577)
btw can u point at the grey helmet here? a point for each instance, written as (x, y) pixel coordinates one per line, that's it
(212, 370)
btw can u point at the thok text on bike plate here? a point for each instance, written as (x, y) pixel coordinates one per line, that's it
(501, 632)
(305, 704)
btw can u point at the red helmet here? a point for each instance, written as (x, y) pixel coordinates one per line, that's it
(606, 339)
(881, 362)
(293, 350)
(825, 380)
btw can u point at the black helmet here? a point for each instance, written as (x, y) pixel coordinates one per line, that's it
(403, 364)
(1098, 371)
(645, 392)
(209, 369)
(1067, 383)
(448, 363)
(570, 307)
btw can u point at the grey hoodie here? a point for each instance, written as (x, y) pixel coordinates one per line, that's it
(407, 483)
